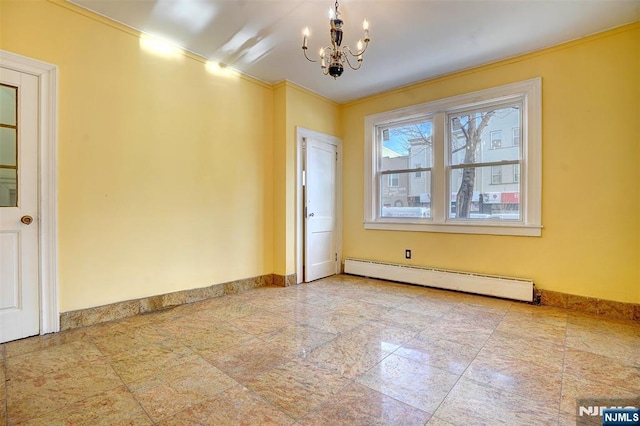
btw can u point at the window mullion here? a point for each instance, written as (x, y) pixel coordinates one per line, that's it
(438, 175)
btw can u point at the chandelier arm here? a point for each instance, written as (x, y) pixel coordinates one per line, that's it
(347, 49)
(305, 55)
(351, 66)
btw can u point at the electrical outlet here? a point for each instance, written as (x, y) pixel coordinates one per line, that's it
(407, 254)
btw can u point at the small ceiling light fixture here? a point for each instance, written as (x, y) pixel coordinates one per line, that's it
(336, 55)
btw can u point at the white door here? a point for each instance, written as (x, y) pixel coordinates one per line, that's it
(320, 210)
(19, 301)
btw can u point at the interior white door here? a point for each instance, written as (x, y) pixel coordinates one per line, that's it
(320, 210)
(19, 281)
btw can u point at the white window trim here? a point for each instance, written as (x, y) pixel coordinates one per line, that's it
(530, 171)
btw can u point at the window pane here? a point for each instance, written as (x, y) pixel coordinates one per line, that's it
(7, 146)
(410, 198)
(8, 187)
(476, 135)
(407, 146)
(8, 105)
(475, 195)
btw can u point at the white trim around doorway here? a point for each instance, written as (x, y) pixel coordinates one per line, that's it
(301, 134)
(47, 182)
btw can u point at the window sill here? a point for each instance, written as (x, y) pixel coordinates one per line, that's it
(458, 228)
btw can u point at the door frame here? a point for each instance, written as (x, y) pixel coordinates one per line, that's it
(47, 182)
(301, 134)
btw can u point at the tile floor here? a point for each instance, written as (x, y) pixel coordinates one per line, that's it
(343, 350)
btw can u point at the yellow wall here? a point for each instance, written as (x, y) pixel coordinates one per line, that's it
(164, 168)
(294, 107)
(171, 177)
(590, 243)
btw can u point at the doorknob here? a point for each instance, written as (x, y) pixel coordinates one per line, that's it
(26, 219)
(312, 215)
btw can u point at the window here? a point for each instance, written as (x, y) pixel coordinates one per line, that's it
(8, 146)
(405, 152)
(496, 175)
(515, 136)
(450, 175)
(496, 139)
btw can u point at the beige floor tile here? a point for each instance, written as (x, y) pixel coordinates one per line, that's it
(260, 323)
(579, 387)
(113, 341)
(419, 385)
(173, 390)
(539, 351)
(471, 403)
(517, 376)
(335, 323)
(342, 350)
(456, 330)
(299, 313)
(450, 356)
(362, 309)
(147, 360)
(615, 339)
(408, 320)
(36, 343)
(428, 306)
(42, 382)
(298, 340)
(436, 421)
(297, 387)
(247, 359)
(113, 407)
(533, 329)
(224, 310)
(602, 369)
(52, 359)
(537, 313)
(388, 298)
(356, 351)
(235, 406)
(479, 316)
(205, 339)
(359, 405)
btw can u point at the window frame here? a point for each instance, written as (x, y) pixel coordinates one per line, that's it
(530, 93)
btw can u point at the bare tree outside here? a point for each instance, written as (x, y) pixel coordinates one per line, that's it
(471, 127)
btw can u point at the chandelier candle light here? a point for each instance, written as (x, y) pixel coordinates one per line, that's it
(335, 55)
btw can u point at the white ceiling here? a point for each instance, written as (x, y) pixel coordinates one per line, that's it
(411, 40)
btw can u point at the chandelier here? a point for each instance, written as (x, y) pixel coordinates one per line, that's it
(336, 55)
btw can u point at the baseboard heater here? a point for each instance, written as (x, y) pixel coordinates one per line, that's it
(507, 288)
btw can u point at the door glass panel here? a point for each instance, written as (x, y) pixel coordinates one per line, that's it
(8, 187)
(8, 146)
(8, 96)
